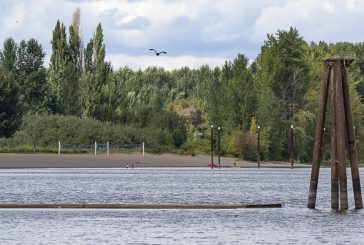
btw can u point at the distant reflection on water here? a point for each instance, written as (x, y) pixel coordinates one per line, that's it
(292, 224)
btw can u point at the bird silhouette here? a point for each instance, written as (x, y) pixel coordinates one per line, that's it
(157, 53)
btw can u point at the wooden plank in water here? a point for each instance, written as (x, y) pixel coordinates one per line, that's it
(138, 206)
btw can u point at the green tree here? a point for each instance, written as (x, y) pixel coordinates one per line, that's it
(73, 69)
(210, 90)
(95, 79)
(240, 98)
(88, 64)
(10, 107)
(75, 42)
(32, 77)
(58, 63)
(8, 56)
(282, 82)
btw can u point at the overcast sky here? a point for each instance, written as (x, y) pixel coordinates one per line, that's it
(192, 32)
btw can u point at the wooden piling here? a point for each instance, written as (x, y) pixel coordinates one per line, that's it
(340, 135)
(352, 142)
(334, 174)
(318, 137)
(342, 122)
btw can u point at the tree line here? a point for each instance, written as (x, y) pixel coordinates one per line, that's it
(174, 108)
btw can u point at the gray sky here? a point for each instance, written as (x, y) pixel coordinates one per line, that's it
(192, 32)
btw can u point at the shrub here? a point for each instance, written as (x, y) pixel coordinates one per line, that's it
(246, 143)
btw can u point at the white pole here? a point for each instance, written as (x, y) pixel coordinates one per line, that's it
(143, 148)
(59, 147)
(107, 148)
(95, 147)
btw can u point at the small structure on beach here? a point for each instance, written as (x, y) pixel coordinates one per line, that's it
(335, 73)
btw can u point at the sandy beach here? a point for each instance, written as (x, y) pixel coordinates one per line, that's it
(14, 160)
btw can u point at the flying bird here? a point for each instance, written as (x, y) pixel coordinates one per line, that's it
(157, 53)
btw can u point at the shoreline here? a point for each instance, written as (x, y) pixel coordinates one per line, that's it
(136, 160)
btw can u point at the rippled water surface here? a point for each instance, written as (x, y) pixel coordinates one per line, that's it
(292, 224)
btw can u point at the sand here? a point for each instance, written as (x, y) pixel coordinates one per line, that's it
(136, 160)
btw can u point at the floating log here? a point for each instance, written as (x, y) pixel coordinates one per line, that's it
(137, 206)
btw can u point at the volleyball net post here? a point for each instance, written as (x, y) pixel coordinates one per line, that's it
(143, 149)
(107, 148)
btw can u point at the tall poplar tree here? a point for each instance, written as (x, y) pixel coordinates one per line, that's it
(73, 69)
(96, 76)
(66, 66)
(58, 64)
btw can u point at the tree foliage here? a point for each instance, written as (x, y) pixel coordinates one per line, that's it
(8, 56)
(10, 107)
(172, 109)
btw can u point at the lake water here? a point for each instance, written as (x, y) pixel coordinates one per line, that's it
(292, 224)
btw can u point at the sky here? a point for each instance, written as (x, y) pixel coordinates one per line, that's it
(192, 32)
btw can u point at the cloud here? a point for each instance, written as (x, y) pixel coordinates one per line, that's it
(113, 19)
(167, 62)
(16, 16)
(185, 28)
(331, 21)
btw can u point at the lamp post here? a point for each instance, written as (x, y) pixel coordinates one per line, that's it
(258, 148)
(292, 146)
(219, 146)
(212, 146)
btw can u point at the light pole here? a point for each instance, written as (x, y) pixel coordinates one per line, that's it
(212, 146)
(258, 148)
(218, 146)
(292, 146)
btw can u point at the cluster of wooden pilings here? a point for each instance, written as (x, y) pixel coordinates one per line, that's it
(342, 127)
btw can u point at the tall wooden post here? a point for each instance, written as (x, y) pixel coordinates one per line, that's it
(318, 137)
(258, 148)
(218, 146)
(334, 175)
(292, 146)
(350, 128)
(342, 121)
(340, 135)
(212, 146)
